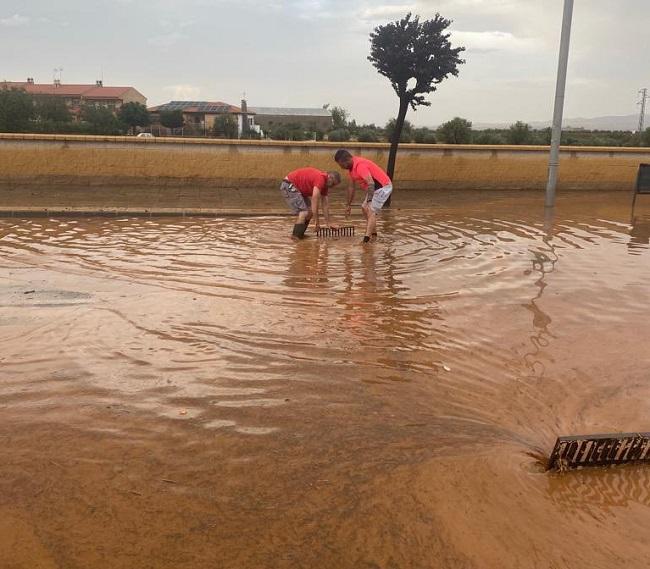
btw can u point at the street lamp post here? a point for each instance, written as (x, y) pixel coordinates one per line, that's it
(556, 133)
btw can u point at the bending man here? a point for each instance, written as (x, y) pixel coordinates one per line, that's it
(371, 178)
(303, 190)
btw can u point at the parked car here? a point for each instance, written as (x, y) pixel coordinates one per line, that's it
(144, 135)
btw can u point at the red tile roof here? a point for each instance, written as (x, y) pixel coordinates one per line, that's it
(85, 91)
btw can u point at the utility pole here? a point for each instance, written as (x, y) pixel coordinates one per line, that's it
(556, 132)
(644, 97)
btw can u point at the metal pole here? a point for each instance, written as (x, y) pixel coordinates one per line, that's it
(556, 133)
(644, 97)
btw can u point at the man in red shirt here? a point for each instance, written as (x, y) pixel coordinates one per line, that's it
(371, 178)
(303, 190)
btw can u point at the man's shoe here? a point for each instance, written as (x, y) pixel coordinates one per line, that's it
(299, 230)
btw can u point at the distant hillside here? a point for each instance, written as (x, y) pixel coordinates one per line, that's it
(624, 122)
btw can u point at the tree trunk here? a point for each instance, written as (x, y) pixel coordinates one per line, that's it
(392, 156)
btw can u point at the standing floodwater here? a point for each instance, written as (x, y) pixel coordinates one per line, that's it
(193, 393)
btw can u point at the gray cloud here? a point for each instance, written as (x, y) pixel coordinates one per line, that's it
(311, 52)
(183, 92)
(166, 40)
(14, 21)
(386, 12)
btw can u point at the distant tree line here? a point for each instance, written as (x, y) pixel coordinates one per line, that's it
(456, 131)
(344, 129)
(459, 131)
(23, 112)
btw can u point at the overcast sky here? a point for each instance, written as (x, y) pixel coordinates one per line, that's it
(306, 53)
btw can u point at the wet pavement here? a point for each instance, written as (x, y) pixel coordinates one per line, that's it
(202, 392)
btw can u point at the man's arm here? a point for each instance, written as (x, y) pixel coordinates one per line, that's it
(326, 211)
(350, 197)
(371, 187)
(364, 172)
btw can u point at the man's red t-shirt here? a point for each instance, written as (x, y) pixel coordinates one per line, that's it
(362, 168)
(306, 179)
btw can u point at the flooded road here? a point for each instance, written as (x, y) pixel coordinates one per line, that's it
(190, 392)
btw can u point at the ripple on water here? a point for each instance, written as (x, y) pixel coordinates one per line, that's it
(253, 292)
(457, 333)
(210, 307)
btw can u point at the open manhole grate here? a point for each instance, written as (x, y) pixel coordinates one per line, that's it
(599, 450)
(345, 231)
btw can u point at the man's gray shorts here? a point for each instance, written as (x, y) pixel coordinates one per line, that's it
(379, 197)
(295, 200)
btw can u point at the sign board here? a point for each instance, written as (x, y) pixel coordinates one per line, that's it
(643, 179)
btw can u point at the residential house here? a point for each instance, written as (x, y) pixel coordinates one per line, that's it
(200, 115)
(269, 118)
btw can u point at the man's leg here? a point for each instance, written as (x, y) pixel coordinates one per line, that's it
(296, 204)
(379, 198)
(371, 228)
(308, 219)
(300, 226)
(302, 223)
(371, 220)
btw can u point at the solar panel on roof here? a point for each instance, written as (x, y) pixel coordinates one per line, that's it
(197, 106)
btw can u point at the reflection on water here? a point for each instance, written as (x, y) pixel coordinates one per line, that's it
(543, 263)
(198, 385)
(639, 235)
(598, 492)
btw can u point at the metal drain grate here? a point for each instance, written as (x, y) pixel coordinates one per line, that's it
(345, 231)
(599, 450)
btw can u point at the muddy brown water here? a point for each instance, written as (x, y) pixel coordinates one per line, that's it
(194, 393)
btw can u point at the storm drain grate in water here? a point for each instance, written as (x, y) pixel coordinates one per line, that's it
(599, 450)
(345, 231)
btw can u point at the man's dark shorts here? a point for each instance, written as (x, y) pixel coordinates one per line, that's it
(295, 200)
